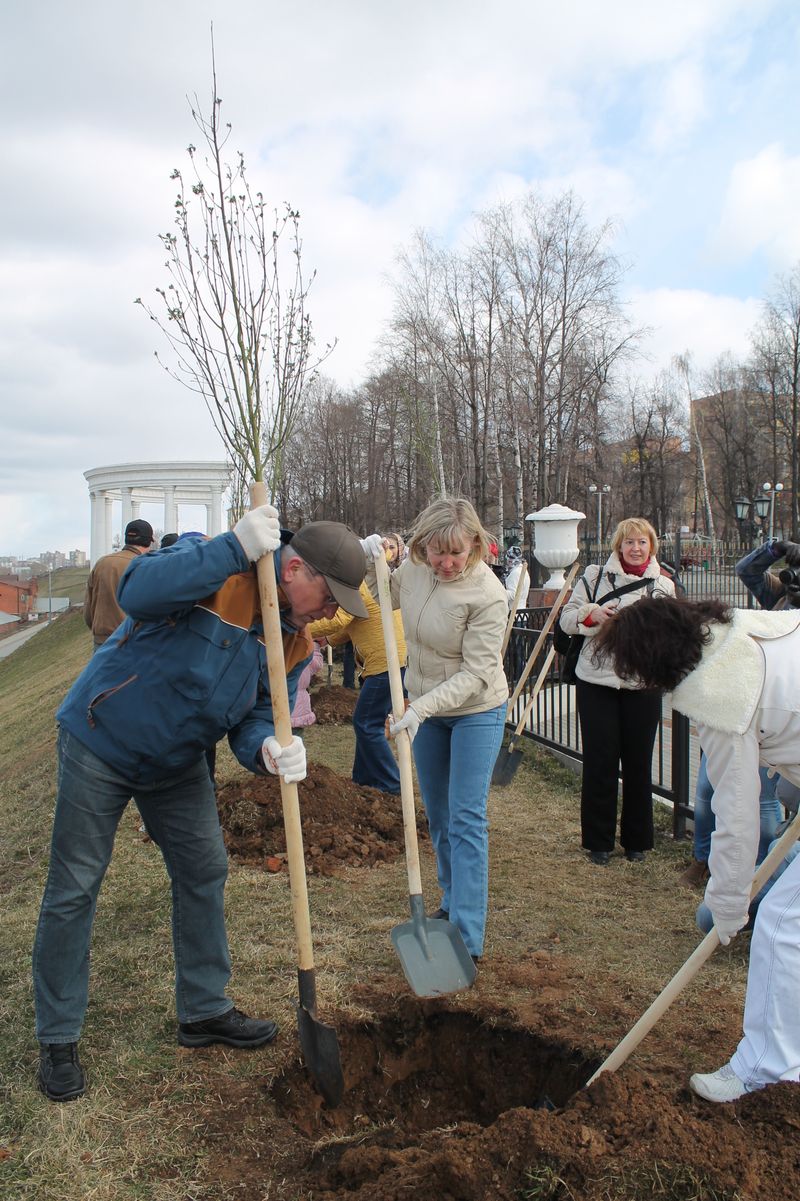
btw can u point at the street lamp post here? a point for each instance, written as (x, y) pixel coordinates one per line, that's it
(50, 593)
(771, 492)
(599, 492)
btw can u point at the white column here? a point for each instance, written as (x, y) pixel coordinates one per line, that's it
(108, 528)
(96, 529)
(135, 507)
(214, 526)
(170, 510)
(127, 508)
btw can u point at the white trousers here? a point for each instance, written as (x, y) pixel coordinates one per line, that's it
(770, 1048)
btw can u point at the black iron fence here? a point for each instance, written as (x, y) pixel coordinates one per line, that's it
(706, 571)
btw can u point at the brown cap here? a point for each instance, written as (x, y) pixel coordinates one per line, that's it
(336, 552)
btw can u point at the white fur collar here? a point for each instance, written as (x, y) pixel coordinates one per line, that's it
(724, 689)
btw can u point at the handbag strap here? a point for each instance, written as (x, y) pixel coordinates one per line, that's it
(615, 592)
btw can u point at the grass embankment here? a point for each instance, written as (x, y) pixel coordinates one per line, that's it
(133, 1135)
(65, 581)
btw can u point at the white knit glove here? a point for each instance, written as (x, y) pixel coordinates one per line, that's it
(728, 928)
(289, 762)
(373, 546)
(410, 721)
(259, 532)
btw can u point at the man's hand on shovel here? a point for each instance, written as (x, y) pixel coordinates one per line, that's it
(259, 532)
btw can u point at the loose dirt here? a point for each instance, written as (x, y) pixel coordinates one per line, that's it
(452, 1100)
(333, 705)
(344, 824)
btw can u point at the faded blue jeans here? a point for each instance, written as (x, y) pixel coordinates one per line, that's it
(180, 814)
(374, 763)
(455, 757)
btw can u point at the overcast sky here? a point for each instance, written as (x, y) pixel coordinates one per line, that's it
(677, 121)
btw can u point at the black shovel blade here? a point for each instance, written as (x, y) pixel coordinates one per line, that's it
(319, 1044)
(505, 767)
(433, 954)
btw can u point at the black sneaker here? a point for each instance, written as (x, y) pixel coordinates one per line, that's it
(233, 1028)
(601, 858)
(634, 856)
(61, 1077)
(439, 915)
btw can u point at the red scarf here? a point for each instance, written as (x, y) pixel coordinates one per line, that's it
(630, 570)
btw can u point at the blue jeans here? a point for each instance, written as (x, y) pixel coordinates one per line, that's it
(181, 815)
(455, 757)
(349, 666)
(704, 821)
(374, 764)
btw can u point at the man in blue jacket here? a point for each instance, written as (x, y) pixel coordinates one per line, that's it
(187, 666)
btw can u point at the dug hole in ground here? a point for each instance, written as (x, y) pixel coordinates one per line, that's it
(444, 1097)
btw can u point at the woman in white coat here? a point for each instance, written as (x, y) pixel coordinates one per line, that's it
(736, 674)
(618, 720)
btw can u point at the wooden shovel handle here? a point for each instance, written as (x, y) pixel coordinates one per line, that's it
(279, 696)
(545, 630)
(695, 961)
(540, 679)
(403, 740)
(523, 579)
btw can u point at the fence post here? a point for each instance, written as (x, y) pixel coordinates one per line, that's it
(680, 774)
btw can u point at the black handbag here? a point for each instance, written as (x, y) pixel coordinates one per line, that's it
(568, 646)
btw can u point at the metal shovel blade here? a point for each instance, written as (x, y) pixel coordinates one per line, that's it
(319, 1044)
(433, 954)
(506, 765)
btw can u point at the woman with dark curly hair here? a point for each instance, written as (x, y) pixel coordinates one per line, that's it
(736, 674)
(618, 718)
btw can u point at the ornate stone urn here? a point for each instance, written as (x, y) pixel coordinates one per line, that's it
(555, 540)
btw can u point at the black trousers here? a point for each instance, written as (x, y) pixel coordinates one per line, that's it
(617, 725)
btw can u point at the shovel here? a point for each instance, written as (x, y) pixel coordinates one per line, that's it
(318, 1042)
(330, 662)
(432, 952)
(522, 583)
(695, 961)
(545, 630)
(509, 759)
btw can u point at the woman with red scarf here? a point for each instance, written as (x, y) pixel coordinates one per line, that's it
(618, 721)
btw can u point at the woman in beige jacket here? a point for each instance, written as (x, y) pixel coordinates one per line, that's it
(618, 720)
(454, 614)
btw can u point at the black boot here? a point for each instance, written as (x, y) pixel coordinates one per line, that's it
(233, 1028)
(61, 1077)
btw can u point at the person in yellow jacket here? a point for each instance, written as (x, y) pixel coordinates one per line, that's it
(374, 763)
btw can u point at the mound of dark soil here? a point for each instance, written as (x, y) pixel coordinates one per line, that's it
(333, 705)
(443, 1103)
(344, 824)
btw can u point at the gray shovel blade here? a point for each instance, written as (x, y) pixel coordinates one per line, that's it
(319, 1044)
(505, 767)
(433, 954)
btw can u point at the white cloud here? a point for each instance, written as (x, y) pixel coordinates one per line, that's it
(759, 211)
(372, 119)
(680, 320)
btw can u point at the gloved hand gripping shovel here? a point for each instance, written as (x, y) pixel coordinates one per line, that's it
(318, 1042)
(432, 952)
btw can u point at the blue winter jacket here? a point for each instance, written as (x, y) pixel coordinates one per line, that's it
(753, 571)
(187, 666)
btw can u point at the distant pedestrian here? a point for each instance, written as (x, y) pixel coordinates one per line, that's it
(101, 610)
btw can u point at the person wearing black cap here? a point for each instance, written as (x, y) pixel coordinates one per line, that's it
(101, 612)
(186, 667)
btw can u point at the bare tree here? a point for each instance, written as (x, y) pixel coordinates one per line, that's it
(240, 333)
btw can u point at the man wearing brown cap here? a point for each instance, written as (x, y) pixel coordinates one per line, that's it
(186, 667)
(101, 612)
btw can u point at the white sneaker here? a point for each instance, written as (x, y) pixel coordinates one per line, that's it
(722, 1085)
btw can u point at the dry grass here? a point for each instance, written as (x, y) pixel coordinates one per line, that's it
(133, 1135)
